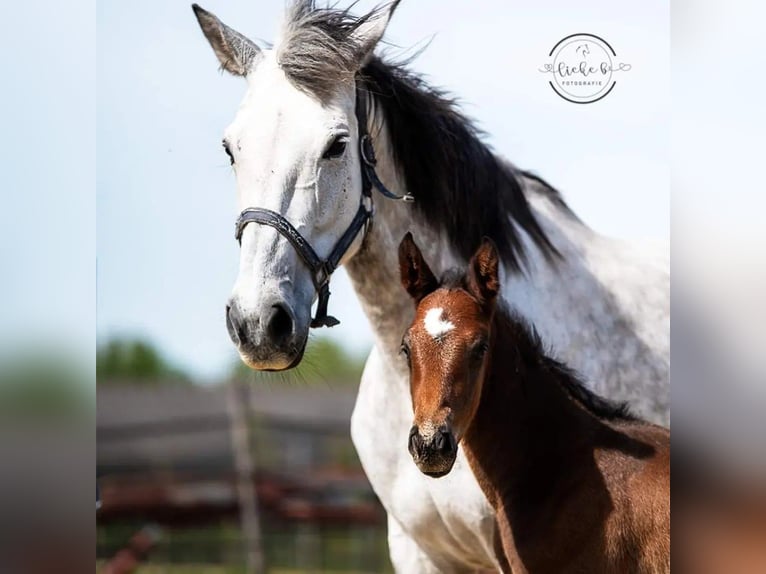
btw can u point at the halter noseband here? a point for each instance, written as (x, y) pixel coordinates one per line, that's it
(321, 270)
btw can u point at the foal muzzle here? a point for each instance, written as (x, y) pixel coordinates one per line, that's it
(434, 453)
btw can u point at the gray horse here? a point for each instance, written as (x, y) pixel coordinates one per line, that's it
(601, 304)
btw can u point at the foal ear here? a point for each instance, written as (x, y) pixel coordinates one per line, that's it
(483, 278)
(369, 32)
(417, 277)
(236, 53)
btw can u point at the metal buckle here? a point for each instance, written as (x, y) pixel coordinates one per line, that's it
(321, 275)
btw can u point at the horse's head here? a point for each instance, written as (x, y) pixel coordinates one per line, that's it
(293, 146)
(446, 349)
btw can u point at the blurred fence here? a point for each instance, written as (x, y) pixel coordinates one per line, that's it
(166, 458)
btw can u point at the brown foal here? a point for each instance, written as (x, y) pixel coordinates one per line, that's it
(577, 483)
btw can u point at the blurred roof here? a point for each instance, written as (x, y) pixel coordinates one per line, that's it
(139, 403)
(185, 426)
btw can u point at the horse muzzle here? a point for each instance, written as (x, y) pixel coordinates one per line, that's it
(269, 338)
(435, 452)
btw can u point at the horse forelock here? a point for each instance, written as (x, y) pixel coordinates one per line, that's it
(462, 189)
(318, 50)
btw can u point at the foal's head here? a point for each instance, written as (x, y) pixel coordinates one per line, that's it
(446, 349)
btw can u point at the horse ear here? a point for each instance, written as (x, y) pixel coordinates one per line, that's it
(483, 272)
(372, 29)
(236, 53)
(417, 277)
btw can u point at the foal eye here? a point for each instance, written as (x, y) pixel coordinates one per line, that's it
(337, 148)
(480, 350)
(405, 350)
(228, 151)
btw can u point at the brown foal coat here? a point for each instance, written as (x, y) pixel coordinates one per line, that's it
(578, 484)
(573, 491)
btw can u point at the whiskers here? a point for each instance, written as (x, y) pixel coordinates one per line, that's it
(324, 364)
(291, 377)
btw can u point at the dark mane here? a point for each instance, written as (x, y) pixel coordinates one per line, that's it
(551, 193)
(532, 351)
(461, 187)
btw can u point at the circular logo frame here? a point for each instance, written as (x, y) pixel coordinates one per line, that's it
(583, 67)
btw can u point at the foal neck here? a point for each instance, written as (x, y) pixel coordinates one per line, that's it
(534, 447)
(526, 408)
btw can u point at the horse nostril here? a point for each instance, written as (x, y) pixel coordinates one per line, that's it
(280, 323)
(233, 324)
(444, 442)
(414, 441)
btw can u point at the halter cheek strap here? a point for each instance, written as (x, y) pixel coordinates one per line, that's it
(368, 161)
(321, 270)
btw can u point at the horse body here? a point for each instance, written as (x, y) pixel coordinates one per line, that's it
(605, 309)
(603, 304)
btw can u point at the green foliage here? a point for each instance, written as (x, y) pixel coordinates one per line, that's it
(134, 360)
(44, 383)
(324, 361)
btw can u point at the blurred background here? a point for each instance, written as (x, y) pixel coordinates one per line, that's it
(139, 80)
(203, 465)
(252, 471)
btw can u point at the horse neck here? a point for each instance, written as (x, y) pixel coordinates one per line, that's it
(374, 270)
(525, 408)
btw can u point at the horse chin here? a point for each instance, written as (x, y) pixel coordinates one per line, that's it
(437, 474)
(438, 470)
(277, 362)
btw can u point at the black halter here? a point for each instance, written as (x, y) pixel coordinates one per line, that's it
(322, 270)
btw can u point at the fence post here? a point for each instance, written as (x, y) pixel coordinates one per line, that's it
(239, 414)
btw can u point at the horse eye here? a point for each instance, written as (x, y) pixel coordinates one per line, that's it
(405, 350)
(480, 350)
(228, 151)
(337, 148)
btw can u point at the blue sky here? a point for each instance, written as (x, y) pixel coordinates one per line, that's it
(165, 193)
(48, 209)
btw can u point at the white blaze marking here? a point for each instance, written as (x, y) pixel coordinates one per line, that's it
(435, 325)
